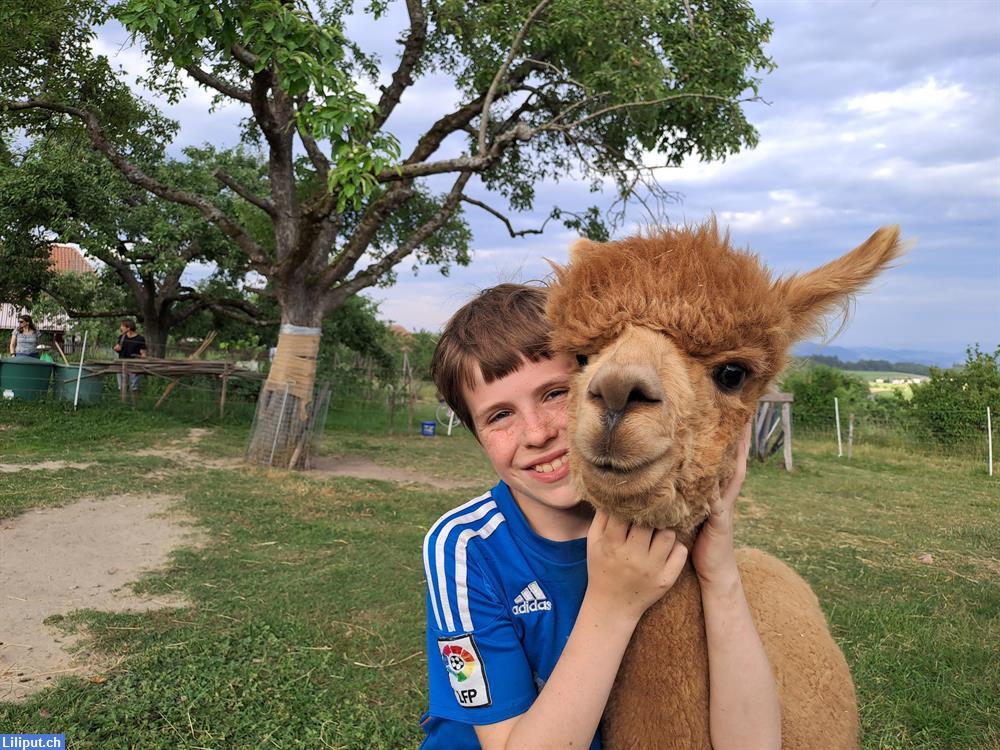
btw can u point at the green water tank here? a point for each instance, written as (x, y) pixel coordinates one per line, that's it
(64, 384)
(25, 378)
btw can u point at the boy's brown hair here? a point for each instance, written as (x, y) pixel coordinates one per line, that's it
(493, 332)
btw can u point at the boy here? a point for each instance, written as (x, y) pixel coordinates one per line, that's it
(532, 596)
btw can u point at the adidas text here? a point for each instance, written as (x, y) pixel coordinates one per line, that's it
(523, 609)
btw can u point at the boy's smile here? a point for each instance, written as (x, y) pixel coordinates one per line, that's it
(521, 423)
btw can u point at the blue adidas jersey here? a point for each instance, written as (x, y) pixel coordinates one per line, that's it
(501, 602)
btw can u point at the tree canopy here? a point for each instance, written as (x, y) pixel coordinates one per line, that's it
(548, 89)
(600, 89)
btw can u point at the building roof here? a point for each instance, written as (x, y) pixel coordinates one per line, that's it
(68, 258)
(63, 258)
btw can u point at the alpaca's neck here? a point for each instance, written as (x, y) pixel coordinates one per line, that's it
(664, 675)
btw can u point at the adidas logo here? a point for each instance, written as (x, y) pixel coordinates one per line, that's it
(531, 599)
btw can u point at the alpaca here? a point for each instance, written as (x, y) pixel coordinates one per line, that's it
(678, 335)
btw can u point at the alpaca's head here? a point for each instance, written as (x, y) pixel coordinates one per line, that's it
(678, 335)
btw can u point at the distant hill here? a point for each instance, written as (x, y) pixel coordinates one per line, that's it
(852, 355)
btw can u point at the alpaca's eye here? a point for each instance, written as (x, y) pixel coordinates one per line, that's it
(730, 376)
(581, 359)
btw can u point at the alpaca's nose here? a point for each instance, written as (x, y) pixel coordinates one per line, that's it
(620, 387)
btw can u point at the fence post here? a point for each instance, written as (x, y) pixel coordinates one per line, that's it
(786, 425)
(79, 374)
(850, 436)
(989, 438)
(836, 412)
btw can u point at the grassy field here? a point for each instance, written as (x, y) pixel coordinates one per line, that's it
(870, 375)
(306, 621)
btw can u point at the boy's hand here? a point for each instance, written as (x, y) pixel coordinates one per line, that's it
(630, 567)
(713, 554)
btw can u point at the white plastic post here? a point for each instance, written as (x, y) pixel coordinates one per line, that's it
(79, 370)
(850, 436)
(836, 411)
(989, 438)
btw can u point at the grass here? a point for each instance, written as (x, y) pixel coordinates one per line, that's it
(306, 621)
(870, 375)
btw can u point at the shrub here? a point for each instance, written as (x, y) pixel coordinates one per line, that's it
(951, 405)
(816, 387)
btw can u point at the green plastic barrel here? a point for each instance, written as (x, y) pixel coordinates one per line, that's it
(64, 384)
(25, 378)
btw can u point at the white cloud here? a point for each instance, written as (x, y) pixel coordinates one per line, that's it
(927, 99)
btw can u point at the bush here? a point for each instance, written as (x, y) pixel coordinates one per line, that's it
(816, 387)
(951, 405)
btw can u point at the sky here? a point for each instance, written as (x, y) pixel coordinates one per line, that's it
(879, 112)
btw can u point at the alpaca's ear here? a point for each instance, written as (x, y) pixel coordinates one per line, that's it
(813, 295)
(581, 247)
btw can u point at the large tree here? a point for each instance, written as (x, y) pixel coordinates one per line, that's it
(58, 189)
(546, 89)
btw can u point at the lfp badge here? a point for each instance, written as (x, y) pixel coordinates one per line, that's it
(466, 671)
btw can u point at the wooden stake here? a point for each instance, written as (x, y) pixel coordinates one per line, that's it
(61, 352)
(125, 379)
(197, 353)
(222, 397)
(786, 425)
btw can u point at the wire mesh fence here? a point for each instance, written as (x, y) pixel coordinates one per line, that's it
(966, 434)
(358, 395)
(287, 425)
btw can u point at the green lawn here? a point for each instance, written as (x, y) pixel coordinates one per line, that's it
(306, 623)
(870, 375)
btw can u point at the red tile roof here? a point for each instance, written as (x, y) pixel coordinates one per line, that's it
(68, 258)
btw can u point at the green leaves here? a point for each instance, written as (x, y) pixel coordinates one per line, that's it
(356, 166)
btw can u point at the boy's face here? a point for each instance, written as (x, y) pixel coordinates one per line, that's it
(521, 423)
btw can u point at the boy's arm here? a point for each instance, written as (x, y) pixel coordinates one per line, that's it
(628, 570)
(744, 710)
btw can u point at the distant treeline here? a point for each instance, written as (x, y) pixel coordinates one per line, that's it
(877, 365)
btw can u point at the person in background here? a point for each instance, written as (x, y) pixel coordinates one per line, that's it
(130, 344)
(24, 338)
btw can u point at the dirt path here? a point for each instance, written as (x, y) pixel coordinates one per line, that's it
(56, 560)
(44, 466)
(362, 468)
(181, 451)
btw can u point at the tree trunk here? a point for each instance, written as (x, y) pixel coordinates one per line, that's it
(156, 338)
(285, 415)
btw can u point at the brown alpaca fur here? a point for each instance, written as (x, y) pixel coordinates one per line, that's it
(652, 435)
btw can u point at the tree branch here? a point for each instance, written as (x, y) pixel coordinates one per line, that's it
(504, 219)
(645, 103)
(319, 160)
(459, 120)
(244, 57)
(137, 177)
(83, 314)
(374, 272)
(359, 241)
(235, 313)
(502, 72)
(477, 163)
(403, 78)
(262, 203)
(261, 106)
(222, 86)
